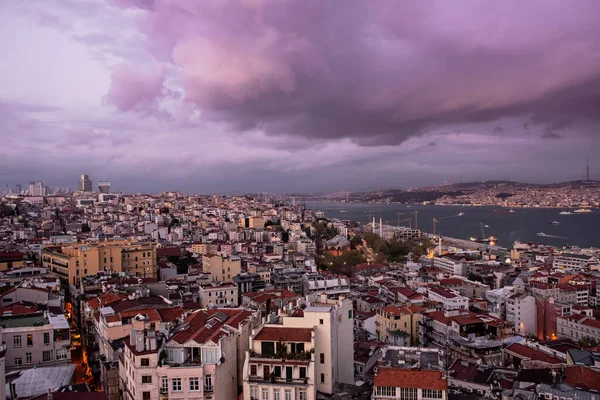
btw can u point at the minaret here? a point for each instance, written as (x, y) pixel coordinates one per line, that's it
(373, 224)
(381, 227)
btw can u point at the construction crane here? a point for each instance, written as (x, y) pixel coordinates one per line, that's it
(434, 221)
(416, 212)
(399, 214)
(409, 220)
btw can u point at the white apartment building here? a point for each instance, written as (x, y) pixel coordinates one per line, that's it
(200, 360)
(578, 326)
(218, 295)
(333, 287)
(450, 299)
(280, 364)
(522, 312)
(332, 322)
(36, 339)
(574, 261)
(451, 264)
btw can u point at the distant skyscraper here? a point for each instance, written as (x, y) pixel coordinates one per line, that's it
(37, 189)
(18, 189)
(85, 184)
(104, 187)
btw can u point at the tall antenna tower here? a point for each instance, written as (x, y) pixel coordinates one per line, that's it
(587, 169)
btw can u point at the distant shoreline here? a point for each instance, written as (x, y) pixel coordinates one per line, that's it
(592, 209)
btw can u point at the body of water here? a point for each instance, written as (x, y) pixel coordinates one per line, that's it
(523, 224)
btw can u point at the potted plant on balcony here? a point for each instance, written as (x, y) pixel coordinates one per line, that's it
(272, 377)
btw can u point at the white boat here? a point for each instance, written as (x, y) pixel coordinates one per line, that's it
(460, 214)
(541, 234)
(511, 211)
(555, 223)
(583, 210)
(564, 213)
(343, 211)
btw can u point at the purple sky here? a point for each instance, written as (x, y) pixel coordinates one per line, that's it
(284, 95)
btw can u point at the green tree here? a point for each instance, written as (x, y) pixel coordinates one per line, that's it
(587, 341)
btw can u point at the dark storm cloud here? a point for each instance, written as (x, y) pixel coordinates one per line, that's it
(379, 73)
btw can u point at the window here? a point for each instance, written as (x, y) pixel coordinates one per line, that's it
(320, 322)
(17, 341)
(164, 384)
(30, 340)
(302, 395)
(209, 356)
(322, 378)
(18, 362)
(61, 354)
(350, 314)
(302, 372)
(322, 358)
(277, 371)
(288, 394)
(28, 358)
(253, 393)
(145, 362)
(253, 370)
(146, 378)
(194, 384)
(265, 394)
(276, 394)
(145, 395)
(46, 338)
(297, 347)
(385, 391)
(176, 384)
(431, 394)
(408, 393)
(47, 356)
(208, 387)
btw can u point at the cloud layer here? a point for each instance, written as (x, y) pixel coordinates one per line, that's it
(309, 95)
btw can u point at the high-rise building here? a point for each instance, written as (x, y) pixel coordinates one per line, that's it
(18, 189)
(37, 189)
(104, 187)
(85, 184)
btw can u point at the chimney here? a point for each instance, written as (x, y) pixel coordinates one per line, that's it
(324, 298)
(139, 343)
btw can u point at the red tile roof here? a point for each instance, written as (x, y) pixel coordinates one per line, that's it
(276, 334)
(583, 377)
(532, 354)
(105, 299)
(406, 378)
(201, 331)
(170, 314)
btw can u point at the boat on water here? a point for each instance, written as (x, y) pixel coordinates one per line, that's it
(542, 234)
(491, 239)
(554, 223)
(460, 214)
(511, 211)
(565, 213)
(486, 226)
(503, 211)
(343, 211)
(583, 210)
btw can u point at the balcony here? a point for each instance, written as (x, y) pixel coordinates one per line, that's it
(303, 357)
(278, 380)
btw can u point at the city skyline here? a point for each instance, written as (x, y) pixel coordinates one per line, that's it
(156, 96)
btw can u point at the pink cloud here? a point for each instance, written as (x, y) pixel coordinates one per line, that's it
(136, 89)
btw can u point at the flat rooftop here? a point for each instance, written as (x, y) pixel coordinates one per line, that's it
(22, 322)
